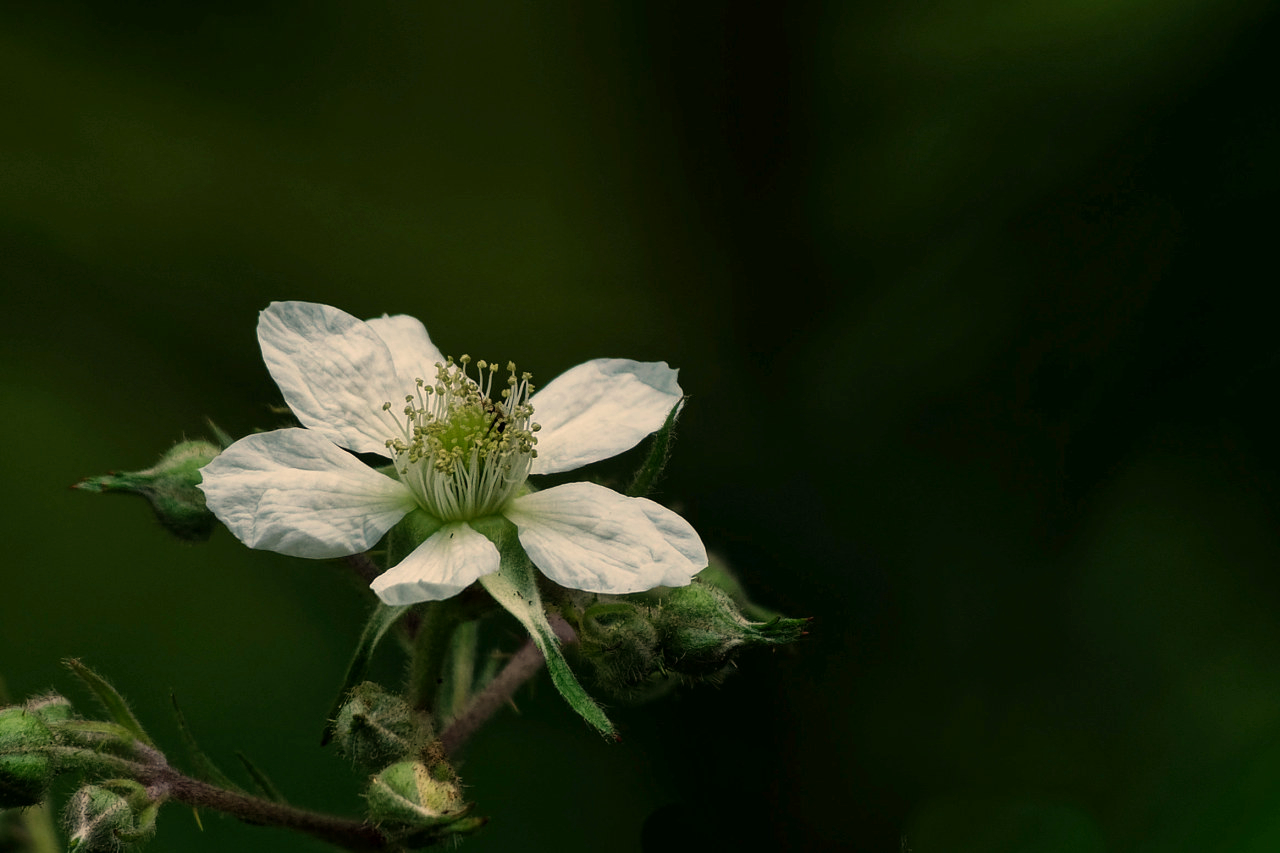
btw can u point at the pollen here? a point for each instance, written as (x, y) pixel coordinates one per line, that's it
(463, 453)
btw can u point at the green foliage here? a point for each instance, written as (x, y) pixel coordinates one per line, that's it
(111, 700)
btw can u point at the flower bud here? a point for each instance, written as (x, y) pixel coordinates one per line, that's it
(25, 770)
(112, 816)
(170, 486)
(419, 804)
(52, 708)
(375, 728)
(619, 644)
(701, 629)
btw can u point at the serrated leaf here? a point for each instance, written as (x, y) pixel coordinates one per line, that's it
(204, 765)
(111, 700)
(647, 475)
(380, 621)
(260, 780)
(515, 587)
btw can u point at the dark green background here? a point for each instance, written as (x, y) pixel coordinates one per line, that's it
(975, 302)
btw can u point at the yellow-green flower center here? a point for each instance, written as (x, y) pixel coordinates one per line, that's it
(461, 452)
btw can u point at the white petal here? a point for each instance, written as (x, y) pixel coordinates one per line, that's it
(414, 355)
(591, 538)
(294, 492)
(599, 409)
(335, 373)
(679, 535)
(449, 561)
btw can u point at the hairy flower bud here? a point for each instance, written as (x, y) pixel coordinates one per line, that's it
(52, 708)
(170, 486)
(418, 804)
(375, 728)
(619, 644)
(25, 771)
(115, 815)
(701, 629)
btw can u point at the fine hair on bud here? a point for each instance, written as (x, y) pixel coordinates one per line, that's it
(25, 769)
(375, 728)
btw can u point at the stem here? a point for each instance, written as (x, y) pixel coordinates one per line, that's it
(343, 832)
(431, 647)
(524, 664)
(164, 782)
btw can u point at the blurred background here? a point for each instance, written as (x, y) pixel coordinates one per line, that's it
(973, 301)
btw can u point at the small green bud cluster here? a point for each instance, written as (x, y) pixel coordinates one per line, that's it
(415, 796)
(170, 486)
(463, 453)
(631, 644)
(113, 815)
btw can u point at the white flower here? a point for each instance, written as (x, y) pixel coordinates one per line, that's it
(460, 454)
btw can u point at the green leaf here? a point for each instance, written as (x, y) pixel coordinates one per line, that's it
(204, 766)
(260, 781)
(380, 621)
(515, 587)
(111, 700)
(659, 452)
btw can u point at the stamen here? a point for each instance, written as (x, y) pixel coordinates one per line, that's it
(465, 455)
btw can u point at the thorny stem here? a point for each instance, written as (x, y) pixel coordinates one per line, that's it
(524, 664)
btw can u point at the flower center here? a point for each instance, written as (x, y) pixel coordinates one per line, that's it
(463, 453)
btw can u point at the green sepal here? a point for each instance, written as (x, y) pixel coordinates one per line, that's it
(380, 621)
(515, 587)
(111, 700)
(264, 786)
(646, 477)
(205, 767)
(220, 435)
(171, 486)
(97, 735)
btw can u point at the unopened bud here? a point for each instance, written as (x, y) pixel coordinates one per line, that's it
(619, 644)
(418, 804)
(51, 708)
(25, 770)
(170, 486)
(115, 815)
(375, 728)
(701, 629)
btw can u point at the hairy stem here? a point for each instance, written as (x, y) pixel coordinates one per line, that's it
(430, 648)
(343, 832)
(164, 782)
(524, 664)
